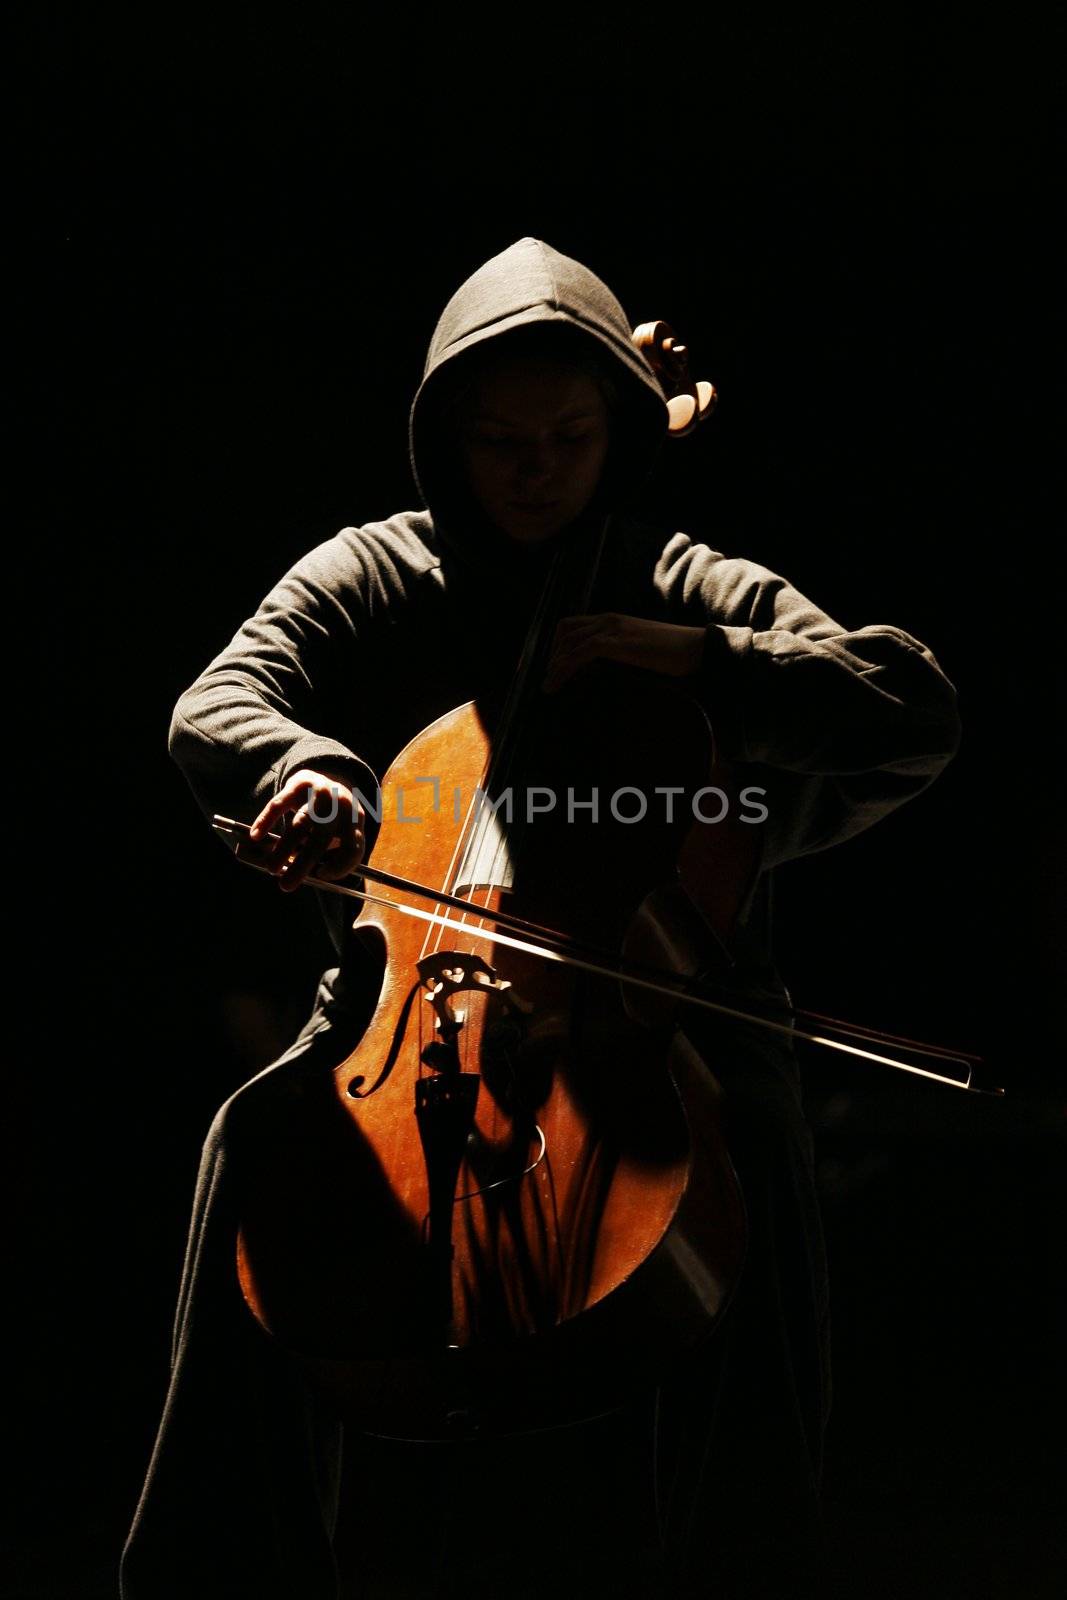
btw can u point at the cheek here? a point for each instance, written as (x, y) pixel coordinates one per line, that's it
(483, 474)
(594, 463)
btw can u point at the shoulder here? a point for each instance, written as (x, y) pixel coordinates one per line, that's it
(377, 563)
(405, 542)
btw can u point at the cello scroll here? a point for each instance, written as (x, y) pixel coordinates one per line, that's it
(689, 402)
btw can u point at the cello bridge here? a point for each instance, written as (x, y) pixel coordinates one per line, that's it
(448, 973)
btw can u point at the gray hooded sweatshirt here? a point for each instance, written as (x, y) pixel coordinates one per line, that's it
(385, 627)
(361, 644)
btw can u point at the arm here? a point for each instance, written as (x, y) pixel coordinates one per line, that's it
(848, 724)
(257, 714)
(854, 722)
(792, 688)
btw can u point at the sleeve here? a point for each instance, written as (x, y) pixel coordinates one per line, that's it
(255, 714)
(851, 724)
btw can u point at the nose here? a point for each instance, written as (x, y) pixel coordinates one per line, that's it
(536, 464)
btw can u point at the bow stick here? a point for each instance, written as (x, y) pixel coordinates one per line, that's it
(552, 946)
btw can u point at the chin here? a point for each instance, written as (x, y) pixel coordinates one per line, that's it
(533, 535)
(534, 529)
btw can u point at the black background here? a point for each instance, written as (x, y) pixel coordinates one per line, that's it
(260, 216)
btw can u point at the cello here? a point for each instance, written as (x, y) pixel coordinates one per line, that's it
(514, 1199)
(511, 1203)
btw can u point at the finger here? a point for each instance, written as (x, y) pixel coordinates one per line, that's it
(342, 861)
(325, 821)
(264, 822)
(582, 628)
(601, 646)
(260, 852)
(272, 849)
(329, 818)
(303, 859)
(298, 826)
(287, 798)
(586, 631)
(292, 873)
(567, 627)
(328, 808)
(326, 851)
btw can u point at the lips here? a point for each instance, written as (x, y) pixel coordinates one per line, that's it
(541, 505)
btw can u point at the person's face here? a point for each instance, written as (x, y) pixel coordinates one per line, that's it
(533, 438)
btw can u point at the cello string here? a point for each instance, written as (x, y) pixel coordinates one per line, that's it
(505, 742)
(472, 833)
(481, 814)
(450, 872)
(476, 824)
(469, 848)
(535, 648)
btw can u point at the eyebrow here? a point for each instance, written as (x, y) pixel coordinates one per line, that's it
(505, 422)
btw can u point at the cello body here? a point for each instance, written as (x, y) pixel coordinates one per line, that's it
(513, 1202)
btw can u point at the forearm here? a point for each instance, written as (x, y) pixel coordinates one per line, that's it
(872, 700)
(236, 750)
(788, 686)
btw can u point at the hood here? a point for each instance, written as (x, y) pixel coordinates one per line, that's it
(531, 283)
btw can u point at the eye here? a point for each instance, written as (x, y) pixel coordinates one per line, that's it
(492, 441)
